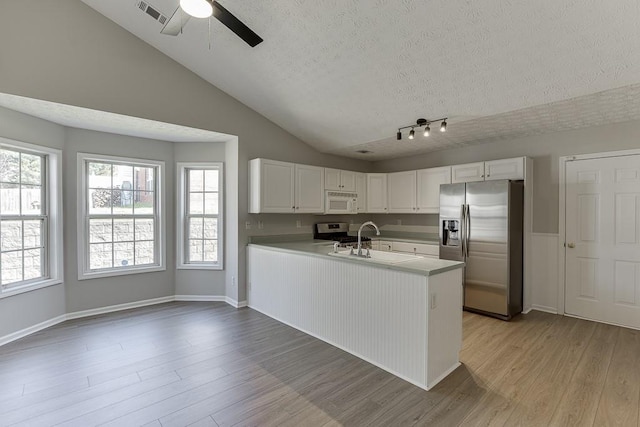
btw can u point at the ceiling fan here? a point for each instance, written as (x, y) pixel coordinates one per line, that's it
(204, 9)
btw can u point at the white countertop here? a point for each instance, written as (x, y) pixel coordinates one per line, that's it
(421, 265)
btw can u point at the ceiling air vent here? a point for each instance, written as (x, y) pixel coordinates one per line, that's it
(364, 151)
(152, 12)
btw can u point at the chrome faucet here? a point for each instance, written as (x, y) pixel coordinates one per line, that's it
(360, 237)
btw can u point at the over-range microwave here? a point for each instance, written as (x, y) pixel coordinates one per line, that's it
(340, 202)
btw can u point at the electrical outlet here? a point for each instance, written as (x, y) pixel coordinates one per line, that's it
(399, 222)
(298, 224)
(247, 225)
(260, 225)
(233, 281)
(434, 303)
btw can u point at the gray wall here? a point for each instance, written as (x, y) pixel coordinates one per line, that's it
(70, 54)
(545, 151)
(199, 282)
(21, 311)
(95, 293)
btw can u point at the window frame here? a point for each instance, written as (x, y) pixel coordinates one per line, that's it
(84, 272)
(52, 237)
(182, 168)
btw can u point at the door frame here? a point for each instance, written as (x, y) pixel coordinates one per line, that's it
(562, 214)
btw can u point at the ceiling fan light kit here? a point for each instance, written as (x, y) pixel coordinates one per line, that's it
(427, 128)
(197, 8)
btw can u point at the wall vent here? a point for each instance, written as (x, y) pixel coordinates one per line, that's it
(152, 12)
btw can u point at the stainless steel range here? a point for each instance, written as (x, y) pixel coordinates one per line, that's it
(338, 232)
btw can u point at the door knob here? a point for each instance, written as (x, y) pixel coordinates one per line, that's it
(571, 245)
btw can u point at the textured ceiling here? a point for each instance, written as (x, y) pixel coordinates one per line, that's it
(85, 118)
(342, 73)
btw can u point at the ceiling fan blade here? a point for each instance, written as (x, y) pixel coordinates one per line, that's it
(176, 23)
(235, 25)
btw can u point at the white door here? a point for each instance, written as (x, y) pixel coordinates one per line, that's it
(361, 190)
(331, 179)
(602, 228)
(347, 181)
(277, 187)
(504, 169)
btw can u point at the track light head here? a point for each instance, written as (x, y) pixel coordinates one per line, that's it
(427, 130)
(411, 133)
(399, 135)
(443, 126)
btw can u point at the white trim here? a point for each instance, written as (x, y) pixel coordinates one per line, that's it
(212, 298)
(180, 215)
(235, 303)
(113, 308)
(83, 269)
(602, 321)
(562, 214)
(32, 329)
(54, 198)
(543, 308)
(119, 307)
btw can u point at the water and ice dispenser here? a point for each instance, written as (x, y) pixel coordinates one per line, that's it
(450, 232)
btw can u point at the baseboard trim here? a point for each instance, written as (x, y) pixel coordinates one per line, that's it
(113, 308)
(200, 298)
(118, 307)
(546, 309)
(235, 303)
(32, 329)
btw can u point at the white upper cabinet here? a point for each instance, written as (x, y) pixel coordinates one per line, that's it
(377, 193)
(282, 187)
(361, 190)
(428, 194)
(469, 172)
(339, 180)
(504, 169)
(309, 189)
(487, 171)
(271, 186)
(401, 187)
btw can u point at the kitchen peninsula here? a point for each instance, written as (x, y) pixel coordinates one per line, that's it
(401, 314)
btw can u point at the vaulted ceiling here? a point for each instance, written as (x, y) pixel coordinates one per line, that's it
(343, 75)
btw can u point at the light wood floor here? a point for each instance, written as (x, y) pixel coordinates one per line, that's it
(208, 364)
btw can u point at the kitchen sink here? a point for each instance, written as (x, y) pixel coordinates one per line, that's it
(381, 257)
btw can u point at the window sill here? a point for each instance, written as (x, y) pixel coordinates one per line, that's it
(30, 287)
(215, 267)
(123, 272)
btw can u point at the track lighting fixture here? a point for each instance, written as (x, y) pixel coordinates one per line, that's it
(427, 127)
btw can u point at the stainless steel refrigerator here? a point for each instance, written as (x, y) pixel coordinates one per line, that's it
(481, 225)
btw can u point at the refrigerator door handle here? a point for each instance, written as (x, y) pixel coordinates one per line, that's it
(467, 230)
(462, 230)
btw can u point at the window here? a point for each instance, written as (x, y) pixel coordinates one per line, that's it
(199, 216)
(30, 217)
(120, 221)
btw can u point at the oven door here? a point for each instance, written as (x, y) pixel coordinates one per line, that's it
(341, 203)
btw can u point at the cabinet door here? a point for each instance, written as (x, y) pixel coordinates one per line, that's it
(469, 172)
(429, 181)
(348, 180)
(309, 189)
(276, 186)
(401, 187)
(377, 192)
(504, 169)
(331, 179)
(415, 248)
(361, 190)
